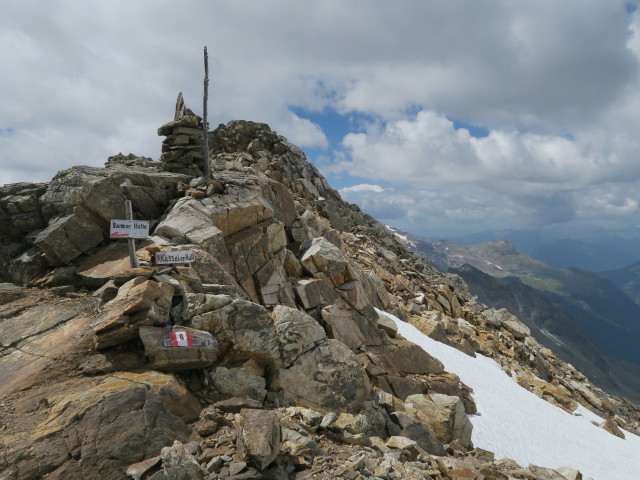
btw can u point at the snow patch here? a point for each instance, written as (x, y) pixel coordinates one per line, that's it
(515, 423)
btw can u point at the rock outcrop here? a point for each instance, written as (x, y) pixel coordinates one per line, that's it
(267, 356)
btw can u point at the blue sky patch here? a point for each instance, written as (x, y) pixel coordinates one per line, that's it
(334, 125)
(474, 130)
(5, 132)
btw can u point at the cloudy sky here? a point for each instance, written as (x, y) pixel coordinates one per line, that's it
(440, 117)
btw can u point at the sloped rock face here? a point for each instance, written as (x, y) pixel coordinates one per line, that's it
(74, 211)
(139, 302)
(20, 215)
(282, 363)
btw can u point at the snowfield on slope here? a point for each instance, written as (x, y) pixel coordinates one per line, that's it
(514, 423)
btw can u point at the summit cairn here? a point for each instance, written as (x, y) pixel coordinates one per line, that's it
(182, 149)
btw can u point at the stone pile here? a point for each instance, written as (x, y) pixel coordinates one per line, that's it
(182, 148)
(265, 358)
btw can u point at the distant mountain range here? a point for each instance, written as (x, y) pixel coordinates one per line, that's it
(595, 250)
(627, 279)
(584, 317)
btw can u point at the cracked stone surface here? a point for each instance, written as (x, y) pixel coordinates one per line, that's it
(41, 335)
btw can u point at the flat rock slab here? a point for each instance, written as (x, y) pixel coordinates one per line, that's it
(10, 292)
(67, 408)
(178, 348)
(109, 425)
(110, 262)
(32, 321)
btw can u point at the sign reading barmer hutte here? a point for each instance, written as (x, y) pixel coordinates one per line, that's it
(129, 229)
(178, 256)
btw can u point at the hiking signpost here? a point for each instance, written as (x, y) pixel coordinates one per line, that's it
(176, 256)
(129, 229)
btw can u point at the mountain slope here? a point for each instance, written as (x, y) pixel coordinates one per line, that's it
(555, 329)
(627, 279)
(610, 318)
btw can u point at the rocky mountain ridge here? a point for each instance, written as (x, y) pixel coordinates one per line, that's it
(597, 323)
(266, 357)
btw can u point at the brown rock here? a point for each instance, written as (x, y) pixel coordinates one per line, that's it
(326, 377)
(260, 434)
(610, 426)
(444, 415)
(10, 292)
(238, 382)
(70, 235)
(297, 333)
(178, 348)
(243, 329)
(139, 302)
(324, 260)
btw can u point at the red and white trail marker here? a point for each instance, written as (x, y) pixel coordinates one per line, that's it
(181, 339)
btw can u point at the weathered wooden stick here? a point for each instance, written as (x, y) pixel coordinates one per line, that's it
(132, 243)
(205, 123)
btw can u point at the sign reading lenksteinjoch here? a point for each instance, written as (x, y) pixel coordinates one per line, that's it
(178, 256)
(129, 229)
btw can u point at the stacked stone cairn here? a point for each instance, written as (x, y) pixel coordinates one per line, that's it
(182, 149)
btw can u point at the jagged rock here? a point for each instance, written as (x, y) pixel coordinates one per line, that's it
(189, 221)
(503, 318)
(314, 293)
(120, 421)
(341, 326)
(139, 302)
(401, 443)
(10, 292)
(103, 191)
(238, 382)
(20, 214)
(553, 393)
(444, 415)
(109, 263)
(610, 426)
(260, 434)
(328, 377)
(178, 348)
(403, 387)
(236, 404)
(407, 357)
(244, 290)
(28, 266)
(296, 444)
(542, 473)
(140, 469)
(431, 324)
(243, 329)
(351, 423)
(388, 325)
(178, 464)
(518, 329)
(69, 236)
(569, 473)
(238, 211)
(324, 260)
(297, 333)
(414, 429)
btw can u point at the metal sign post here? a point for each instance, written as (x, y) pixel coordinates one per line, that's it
(129, 229)
(132, 243)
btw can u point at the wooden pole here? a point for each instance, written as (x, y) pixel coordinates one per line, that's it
(132, 243)
(205, 123)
